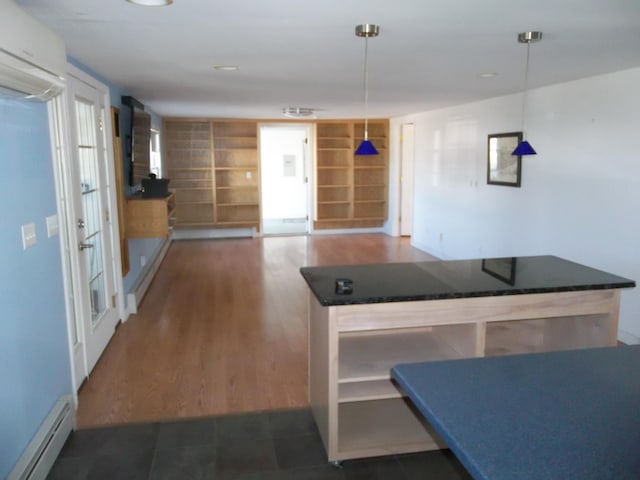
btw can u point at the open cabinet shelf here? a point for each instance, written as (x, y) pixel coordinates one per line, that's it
(359, 410)
(340, 175)
(214, 170)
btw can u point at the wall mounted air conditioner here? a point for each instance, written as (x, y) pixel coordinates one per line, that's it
(32, 57)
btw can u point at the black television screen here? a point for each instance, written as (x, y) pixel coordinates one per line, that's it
(137, 141)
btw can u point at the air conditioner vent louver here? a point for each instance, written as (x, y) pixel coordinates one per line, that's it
(32, 58)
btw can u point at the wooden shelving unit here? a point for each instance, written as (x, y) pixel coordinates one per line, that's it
(189, 158)
(237, 173)
(149, 217)
(351, 191)
(371, 175)
(214, 168)
(359, 410)
(334, 172)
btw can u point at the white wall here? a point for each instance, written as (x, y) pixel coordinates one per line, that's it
(580, 196)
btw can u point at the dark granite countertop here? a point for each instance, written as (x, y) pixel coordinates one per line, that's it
(401, 282)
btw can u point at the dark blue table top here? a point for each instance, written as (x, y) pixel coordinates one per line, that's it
(562, 415)
(400, 282)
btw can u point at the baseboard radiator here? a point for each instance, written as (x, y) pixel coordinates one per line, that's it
(140, 288)
(38, 457)
(207, 233)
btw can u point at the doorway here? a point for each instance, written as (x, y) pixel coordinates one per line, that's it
(284, 166)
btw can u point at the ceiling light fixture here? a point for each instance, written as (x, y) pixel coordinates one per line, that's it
(298, 112)
(151, 3)
(524, 148)
(366, 30)
(226, 68)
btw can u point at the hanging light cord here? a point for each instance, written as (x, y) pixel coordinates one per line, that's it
(366, 87)
(526, 87)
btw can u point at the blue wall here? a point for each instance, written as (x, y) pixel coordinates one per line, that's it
(34, 353)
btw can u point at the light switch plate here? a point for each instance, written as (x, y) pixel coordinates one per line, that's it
(28, 235)
(52, 225)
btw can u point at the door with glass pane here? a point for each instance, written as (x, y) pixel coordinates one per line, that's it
(98, 314)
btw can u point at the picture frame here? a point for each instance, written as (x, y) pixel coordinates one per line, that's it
(502, 167)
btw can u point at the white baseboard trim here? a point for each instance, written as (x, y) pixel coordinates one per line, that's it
(205, 233)
(42, 451)
(628, 338)
(146, 277)
(436, 253)
(350, 231)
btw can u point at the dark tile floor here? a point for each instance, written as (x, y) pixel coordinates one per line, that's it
(281, 445)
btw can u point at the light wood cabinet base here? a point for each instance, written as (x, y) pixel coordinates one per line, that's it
(359, 410)
(149, 217)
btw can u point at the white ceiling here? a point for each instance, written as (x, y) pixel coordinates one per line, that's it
(305, 54)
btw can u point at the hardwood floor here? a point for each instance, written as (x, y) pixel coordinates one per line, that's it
(222, 329)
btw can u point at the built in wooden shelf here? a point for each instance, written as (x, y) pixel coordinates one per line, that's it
(214, 169)
(382, 427)
(359, 410)
(340, 169)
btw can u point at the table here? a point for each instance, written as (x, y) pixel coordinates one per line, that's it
(561, 415)
(430, 311)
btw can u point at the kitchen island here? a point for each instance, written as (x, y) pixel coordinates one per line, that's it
(364, 319)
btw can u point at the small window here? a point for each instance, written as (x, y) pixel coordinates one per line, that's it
(155, 162)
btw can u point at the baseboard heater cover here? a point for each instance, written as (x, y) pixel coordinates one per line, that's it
(142, 285)
(208, 233)
(42, 451)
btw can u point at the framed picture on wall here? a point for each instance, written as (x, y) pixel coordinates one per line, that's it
(502, 167)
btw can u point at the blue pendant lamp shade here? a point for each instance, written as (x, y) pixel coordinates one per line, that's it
(366, 148)
(366, 30)
(524, 148)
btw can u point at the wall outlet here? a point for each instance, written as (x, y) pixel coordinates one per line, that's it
(143, 260)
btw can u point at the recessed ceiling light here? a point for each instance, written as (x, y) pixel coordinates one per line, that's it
(488, 75)
(228, 68)
(151, 3)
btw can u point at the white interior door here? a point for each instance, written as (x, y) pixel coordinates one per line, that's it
(94, 287)
(406, 179)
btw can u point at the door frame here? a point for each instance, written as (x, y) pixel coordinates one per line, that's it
(59, 136)
(407, 157)
(62, 157)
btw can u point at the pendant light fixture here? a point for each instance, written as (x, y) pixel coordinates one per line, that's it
(366, 30)
(524, 148)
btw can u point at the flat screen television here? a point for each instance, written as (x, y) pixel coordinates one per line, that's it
(137, 138)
